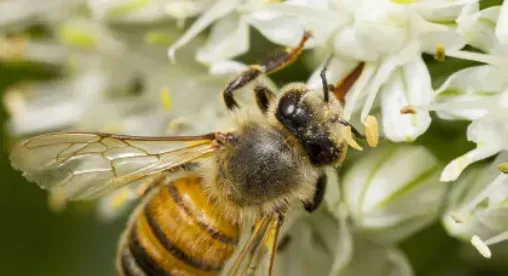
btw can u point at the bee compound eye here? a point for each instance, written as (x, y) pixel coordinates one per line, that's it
(287, 106)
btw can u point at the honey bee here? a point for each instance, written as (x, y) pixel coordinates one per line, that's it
(203, 193)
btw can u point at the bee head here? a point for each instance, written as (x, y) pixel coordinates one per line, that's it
(314, 121)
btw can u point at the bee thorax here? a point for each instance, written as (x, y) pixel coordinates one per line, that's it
(261, 167)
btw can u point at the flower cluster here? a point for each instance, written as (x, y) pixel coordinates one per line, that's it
(138, 67)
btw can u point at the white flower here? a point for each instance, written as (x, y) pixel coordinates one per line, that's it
(229, 35)
(477, 206)
(128, 10)
(393, 191)
(318, 244)
(502, 24)
(478, 93)
(97, 92)
(18, 14)
(390, 39)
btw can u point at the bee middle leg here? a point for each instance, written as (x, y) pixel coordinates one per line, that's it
(275, 63)
(319, 195)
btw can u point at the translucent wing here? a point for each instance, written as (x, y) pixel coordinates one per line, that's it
(87, 165)
(262, 240)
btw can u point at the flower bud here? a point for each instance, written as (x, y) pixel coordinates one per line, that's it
(477, 211)
(393, 191)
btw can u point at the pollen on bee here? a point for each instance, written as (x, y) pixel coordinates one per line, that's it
(481, 247)
(348, 137)
(371, 131)
(440, 53)
(503, 167)
(408, 109)
(166, 99)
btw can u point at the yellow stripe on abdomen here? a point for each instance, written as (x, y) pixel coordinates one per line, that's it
(178, 232)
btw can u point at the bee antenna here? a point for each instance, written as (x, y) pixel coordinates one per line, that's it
(353, 129)
(323, 78)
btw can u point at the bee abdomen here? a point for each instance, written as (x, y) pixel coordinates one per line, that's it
(178, 232)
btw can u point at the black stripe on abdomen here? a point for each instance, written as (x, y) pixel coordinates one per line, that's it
(173, 249)
(175, 195)
(143, 260)
(128, 264)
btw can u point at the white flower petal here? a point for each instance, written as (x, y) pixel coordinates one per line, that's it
(408, 85)
(219, 10)
(502, 24)
(490, 137)
(450, 40)
(182, 9)
(344, 244)
(382, 199)
(478, 30)
(229, 38)
(371, 259)
(285, 30)
(474, 85)
(313, 19)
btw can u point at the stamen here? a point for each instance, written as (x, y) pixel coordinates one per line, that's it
(357, 89)
(166, 99)
(503, 167)
(440, 53)
(481, 247)
(348, 137)
(371, 131)
(497, 239)
(383, 72)
(484, 58)
(408, 109)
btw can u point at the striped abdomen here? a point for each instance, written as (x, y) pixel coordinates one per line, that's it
(177, 232)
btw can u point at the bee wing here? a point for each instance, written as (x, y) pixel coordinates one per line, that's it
(87, 165)
(263, 239)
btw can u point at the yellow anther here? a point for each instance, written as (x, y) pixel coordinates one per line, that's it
(166, 99)
(371, 131)
(119, 198)
(503, 167)
(440, 53)
(348, 137)
(408, 109)
(57, 200)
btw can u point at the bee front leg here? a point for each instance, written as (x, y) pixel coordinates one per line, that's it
(263, 97)
(276, 62)
(319, 195)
